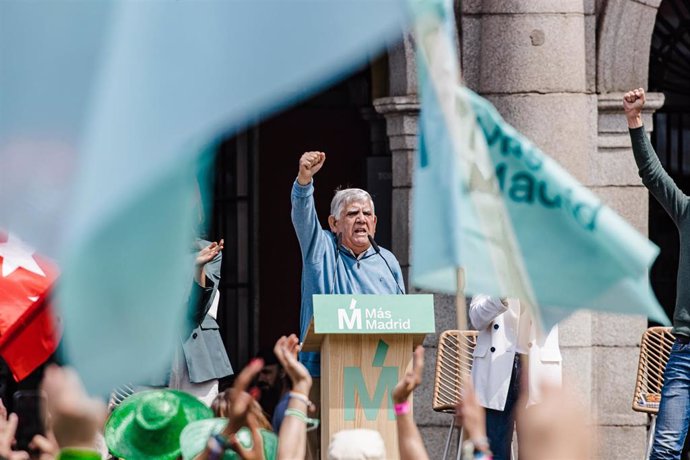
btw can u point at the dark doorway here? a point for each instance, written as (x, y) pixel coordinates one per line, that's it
(260, 285)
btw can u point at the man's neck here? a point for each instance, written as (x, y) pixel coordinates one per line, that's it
(354, 253)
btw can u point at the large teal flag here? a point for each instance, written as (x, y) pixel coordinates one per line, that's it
(488, 200)
(105, 109)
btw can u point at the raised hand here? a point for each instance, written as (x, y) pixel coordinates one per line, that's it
(633, 101)
(286, 349)
(309, 164)
(410, 443)
(256, 451)
(292, 439)
(240, 400)
(411, 379)
(75, 417)
(205, 255)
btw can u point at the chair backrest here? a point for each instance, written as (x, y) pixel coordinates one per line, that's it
(655, 349)
(453, 365)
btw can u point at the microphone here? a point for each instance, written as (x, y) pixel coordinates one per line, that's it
(377, 249)
(338, 242)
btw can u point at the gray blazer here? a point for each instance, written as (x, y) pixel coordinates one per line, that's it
(203, 346)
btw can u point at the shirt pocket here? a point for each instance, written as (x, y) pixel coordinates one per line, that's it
(482, 347)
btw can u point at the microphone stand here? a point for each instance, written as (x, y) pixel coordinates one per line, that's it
(377, 249)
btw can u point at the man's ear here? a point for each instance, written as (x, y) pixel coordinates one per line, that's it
(331, 223)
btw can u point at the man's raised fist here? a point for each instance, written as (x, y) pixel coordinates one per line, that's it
(309, 164)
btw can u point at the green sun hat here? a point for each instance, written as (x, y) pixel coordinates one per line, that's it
(194, 438)
(147, 425)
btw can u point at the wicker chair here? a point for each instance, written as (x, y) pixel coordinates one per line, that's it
(655, 349)
(453, 365)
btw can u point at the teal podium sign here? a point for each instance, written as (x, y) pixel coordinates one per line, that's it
(374, 314)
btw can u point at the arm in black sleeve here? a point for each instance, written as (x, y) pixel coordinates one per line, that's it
(654, 177)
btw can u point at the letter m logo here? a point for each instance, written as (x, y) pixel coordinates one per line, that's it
(353, 321)
(354, 385)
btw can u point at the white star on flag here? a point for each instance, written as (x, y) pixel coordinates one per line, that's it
(15, 253)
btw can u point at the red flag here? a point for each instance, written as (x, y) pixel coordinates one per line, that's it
(29, 332)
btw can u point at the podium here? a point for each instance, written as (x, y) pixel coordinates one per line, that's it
(366, 344)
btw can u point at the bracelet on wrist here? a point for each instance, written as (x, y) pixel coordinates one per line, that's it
(301, 397)
(217, 445)
(402, 408)
(311, 423)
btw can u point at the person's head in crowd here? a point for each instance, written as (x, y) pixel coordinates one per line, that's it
(353, 218)
(272, 381)
(148, 424)
(357, 444)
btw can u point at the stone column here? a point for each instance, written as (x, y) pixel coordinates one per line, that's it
(531, 60)
(401, 113)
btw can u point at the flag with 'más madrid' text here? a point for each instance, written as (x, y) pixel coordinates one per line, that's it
(488, 200)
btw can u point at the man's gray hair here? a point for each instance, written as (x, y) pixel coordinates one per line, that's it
(346, 196)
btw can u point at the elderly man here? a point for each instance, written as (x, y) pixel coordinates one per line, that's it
(342, 260)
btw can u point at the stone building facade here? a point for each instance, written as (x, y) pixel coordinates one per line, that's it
(556, 70)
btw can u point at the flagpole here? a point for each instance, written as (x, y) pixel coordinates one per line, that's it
(464, 356)
(460, 303)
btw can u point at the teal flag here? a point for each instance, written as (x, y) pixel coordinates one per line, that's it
(488, 200)
(105, 109)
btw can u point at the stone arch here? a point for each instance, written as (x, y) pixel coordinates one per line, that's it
(623, 42)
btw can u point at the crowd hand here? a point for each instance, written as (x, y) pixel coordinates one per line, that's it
(256, 452)
(8, 428)
(309, 164)
(412, 378)
(46, 446)
(220, 404)
(207, 254)
(471, 415)
(239, 401)
(292, 439)
(286, 350)
(75, 417)
(557, 428)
